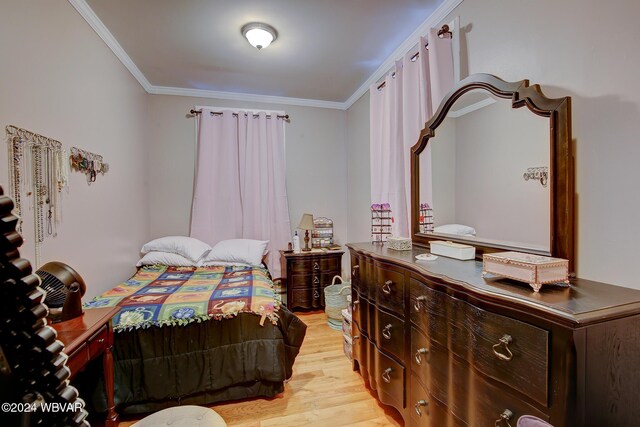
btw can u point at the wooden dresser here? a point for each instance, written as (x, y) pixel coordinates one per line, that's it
(307, 274)
(446, 347)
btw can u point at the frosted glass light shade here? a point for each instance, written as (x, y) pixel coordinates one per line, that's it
(259, 35)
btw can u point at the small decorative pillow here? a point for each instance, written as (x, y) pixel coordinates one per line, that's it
(188, 247)
(457, 229)
(244, 251)
(165, 258)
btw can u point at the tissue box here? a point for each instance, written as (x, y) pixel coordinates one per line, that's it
(399, 243)
(535, 270)
(453, 250)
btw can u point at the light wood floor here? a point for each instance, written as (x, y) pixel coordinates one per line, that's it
(323, 390)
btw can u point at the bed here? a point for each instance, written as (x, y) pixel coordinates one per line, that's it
(198, 335)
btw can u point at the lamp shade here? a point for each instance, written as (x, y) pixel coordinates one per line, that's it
(306, 222)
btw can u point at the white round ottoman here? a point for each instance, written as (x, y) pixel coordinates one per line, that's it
(183, 416)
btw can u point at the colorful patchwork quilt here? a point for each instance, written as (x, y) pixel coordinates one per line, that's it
(162, 295)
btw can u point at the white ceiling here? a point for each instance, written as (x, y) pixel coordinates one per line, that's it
(327, 50)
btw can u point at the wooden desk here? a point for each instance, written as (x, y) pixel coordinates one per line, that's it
(85, 338)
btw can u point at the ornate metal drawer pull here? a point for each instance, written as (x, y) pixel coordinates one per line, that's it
(505, 416)
(419, 354)
(356, 302)
(354, 271)
(316, 280)
(418, 304)
(417, 406)
(316, 266)
(504, 341)
(386, 287)
(356, 337)
(316, 294)
(386, 332)
(386, 377)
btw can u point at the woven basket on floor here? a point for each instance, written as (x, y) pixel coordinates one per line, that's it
(335, 298)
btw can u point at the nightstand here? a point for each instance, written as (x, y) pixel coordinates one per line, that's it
(307, 274)
(86, 338)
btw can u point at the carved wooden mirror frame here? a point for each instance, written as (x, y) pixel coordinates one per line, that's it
(561, 179)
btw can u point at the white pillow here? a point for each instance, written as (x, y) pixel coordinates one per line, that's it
(188, 247)
(456, 229)
(244, 251)
(165, 258)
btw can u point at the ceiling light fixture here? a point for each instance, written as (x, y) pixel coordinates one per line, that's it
(259, 35)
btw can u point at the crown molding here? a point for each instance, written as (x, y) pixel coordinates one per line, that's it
(92, 19)
(438, 15)
(235, 96)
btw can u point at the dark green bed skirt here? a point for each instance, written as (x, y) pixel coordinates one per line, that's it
(202, 363)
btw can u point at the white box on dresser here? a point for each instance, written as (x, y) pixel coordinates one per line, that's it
(453, 250)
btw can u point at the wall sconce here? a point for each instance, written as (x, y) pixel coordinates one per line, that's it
(539, 174)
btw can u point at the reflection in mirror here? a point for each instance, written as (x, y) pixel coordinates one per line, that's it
(478, 184)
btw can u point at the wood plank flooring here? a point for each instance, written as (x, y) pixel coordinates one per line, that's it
(323, 390)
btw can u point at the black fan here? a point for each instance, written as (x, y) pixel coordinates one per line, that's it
(65, 288)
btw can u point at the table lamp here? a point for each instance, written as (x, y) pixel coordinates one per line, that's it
(306, 224)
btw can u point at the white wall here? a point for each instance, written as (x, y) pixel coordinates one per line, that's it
(316, 157)
(59, 79)
(358, 178)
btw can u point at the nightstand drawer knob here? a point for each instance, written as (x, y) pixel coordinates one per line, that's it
(316, 280)
(316, 294)
(316, 266)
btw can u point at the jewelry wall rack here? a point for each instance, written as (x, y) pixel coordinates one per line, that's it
(38, 171)
(88, 163)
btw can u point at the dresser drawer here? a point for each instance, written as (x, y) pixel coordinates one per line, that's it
(420, 357)
(307, 298)
(427, 411)
(365, 278)
(508, 350)
(505, 349)
(360, 312)
(326, 264)
(300, 265)
(390, 379)
(390, 334)
(429, 310)
(359, 345)
(98, 342)
(389, 288)
(301, 281)
(355, 272)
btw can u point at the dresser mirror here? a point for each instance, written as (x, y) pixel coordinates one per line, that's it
(493, 169)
